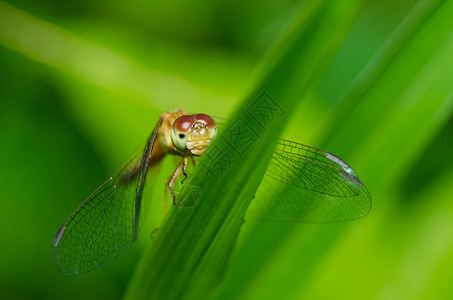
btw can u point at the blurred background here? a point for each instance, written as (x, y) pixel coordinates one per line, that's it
(83, 83)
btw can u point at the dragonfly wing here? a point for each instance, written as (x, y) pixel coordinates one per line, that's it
(141, 203)
(219, 121)
(305, 184)
(107, 222)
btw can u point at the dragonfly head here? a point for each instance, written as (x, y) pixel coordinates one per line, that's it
(193, 133)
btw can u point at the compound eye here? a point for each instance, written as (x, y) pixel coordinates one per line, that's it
(205, 119)
(179, 131)
(183, 123)
(208, 122)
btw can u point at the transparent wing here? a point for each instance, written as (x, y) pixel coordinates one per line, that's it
(305, 184)
(107, 222)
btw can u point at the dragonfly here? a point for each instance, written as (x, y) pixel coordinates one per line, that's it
(302, 184)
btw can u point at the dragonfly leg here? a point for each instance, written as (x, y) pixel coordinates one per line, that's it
(171, 181)
(184, 164)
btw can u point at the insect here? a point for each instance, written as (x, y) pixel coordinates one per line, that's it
(310, 185)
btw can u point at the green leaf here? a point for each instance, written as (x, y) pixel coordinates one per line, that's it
(192, 250)
(391, 112)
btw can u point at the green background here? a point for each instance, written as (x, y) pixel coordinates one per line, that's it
(82, 84)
